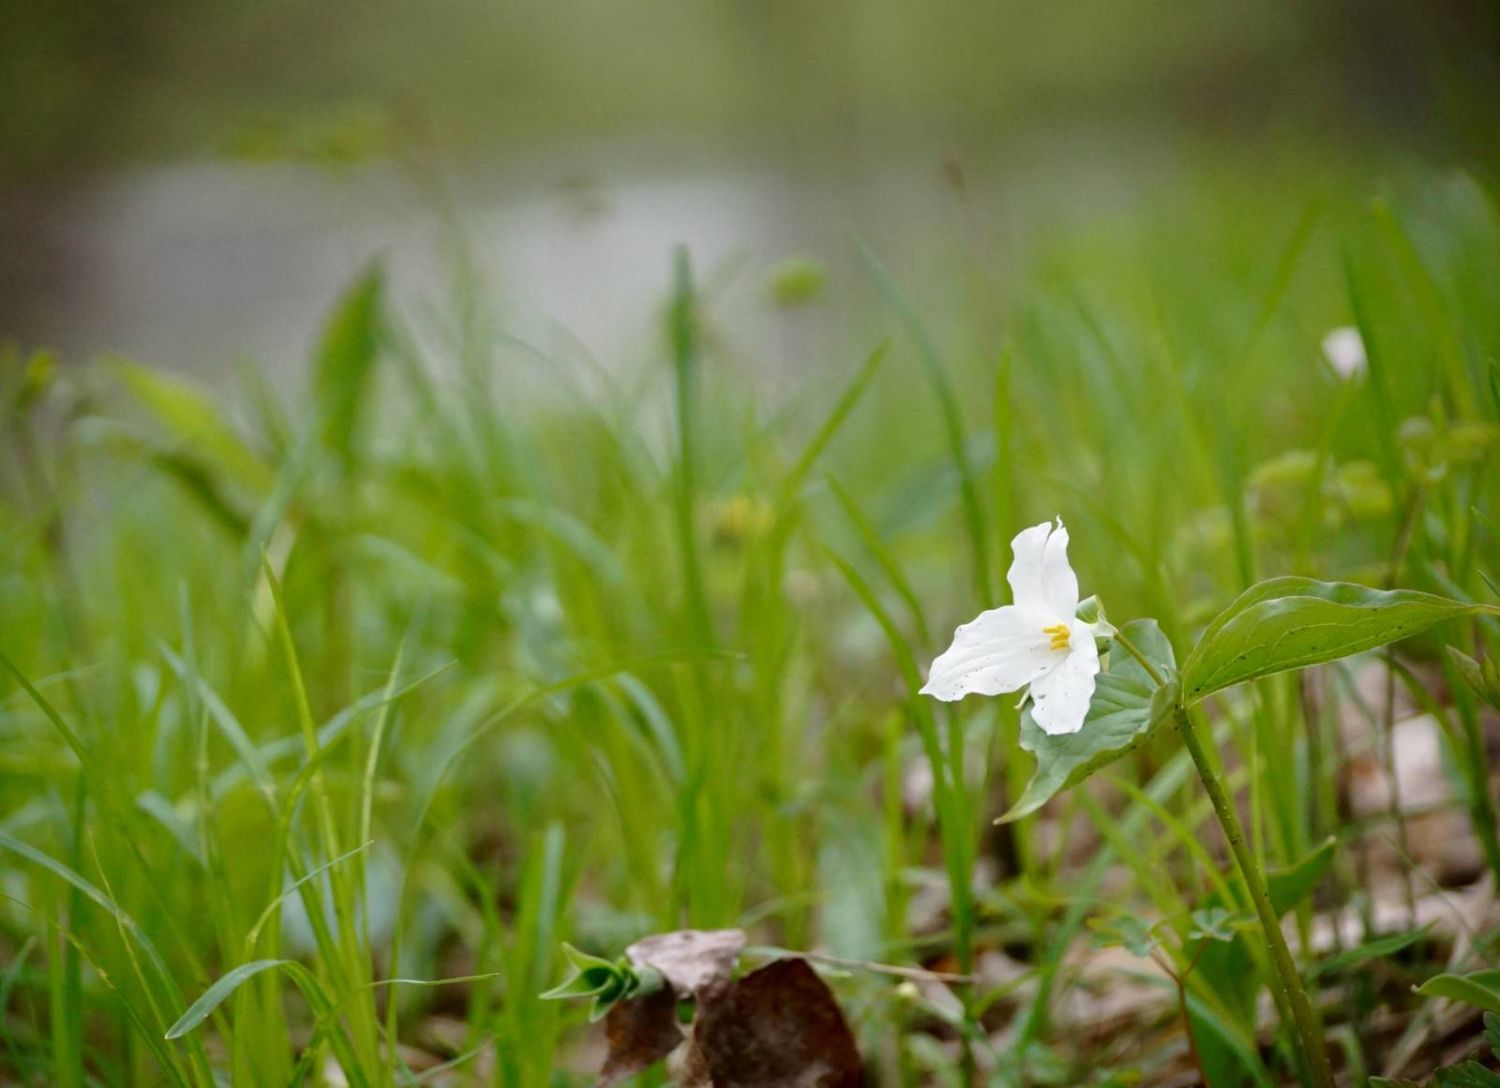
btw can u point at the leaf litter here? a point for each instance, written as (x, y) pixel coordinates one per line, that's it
(778, 1026)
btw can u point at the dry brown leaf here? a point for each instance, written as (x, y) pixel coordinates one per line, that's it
(641, 1032)
(778, 1027)
(689, 959)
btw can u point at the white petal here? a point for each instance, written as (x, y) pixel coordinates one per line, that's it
(1059, 583)
(1060, 699)
(1039, 576)
(1025, 574)
(1002, 650)
(1344, 349)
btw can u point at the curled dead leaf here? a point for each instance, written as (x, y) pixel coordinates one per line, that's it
(689, 959)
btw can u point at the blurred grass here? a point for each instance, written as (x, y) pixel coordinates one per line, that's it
(414, 677)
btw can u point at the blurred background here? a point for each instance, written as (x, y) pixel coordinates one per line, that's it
(190, 184)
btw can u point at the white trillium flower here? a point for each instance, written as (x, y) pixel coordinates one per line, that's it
(1344, 349)
(1039, 640)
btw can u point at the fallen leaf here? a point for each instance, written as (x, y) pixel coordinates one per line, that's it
(689, 959)
(641, 1032)
(778, 1027)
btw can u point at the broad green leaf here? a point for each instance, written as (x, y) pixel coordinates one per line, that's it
(1126, 707)
(214, 996)
(1480, 989)
(1288, 887)
(1291, 623)
(345, 361)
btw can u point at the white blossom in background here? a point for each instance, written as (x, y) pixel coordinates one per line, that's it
(1038, 640)
(1344, 349)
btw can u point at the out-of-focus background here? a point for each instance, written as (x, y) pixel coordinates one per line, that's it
(189, 183)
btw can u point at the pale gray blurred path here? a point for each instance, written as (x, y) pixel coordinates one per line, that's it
(208, 267)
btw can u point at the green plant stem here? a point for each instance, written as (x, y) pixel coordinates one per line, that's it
(1295, 994)
(963, 929)
(1151, 670)
(1180, 982)
(1387, 723)
(684, 334)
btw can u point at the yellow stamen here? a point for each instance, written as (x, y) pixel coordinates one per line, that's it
(1059, 634)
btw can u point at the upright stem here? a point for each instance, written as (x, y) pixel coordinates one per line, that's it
(684, 330)
(1292, 995)
(1289, 980)
(963, 894)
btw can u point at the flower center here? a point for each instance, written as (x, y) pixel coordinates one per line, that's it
(1059, 634)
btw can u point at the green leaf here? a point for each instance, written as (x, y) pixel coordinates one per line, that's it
(38, 375)
(195, 424)
(1127, 931)
(1215, 924)
(1377, 949)
(1126, 707)
(345, 360)
(1291, 623)
(214, 996)
(1226, 1045)
(1483, 679)
(606, 983)
(1227, 966)
(1288, 887)
(1467, 1075)
(590, 976)
(90, 892)
(1480, 989)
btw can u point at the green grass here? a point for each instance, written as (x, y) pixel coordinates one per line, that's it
(391, 690)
